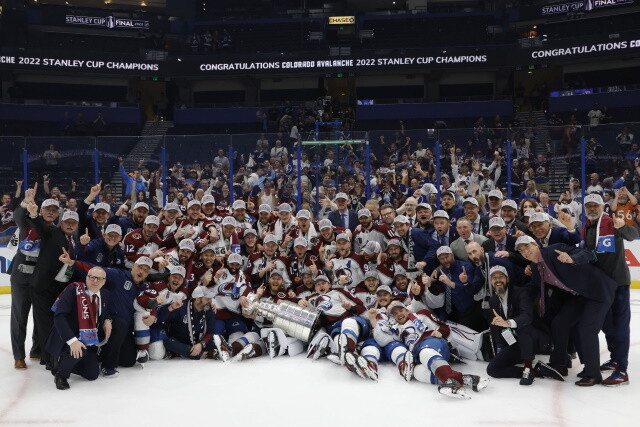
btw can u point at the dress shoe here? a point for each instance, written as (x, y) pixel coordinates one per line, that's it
(34, 356)
(61, 383)
(548, 371)
(589, 381)
(19, 364)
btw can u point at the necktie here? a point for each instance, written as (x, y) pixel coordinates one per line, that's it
(447, 299)
(440, 239)
(541, 307)
(70, 248)
(344, 220)
(95, 301)
(499, 247)
(466, 241)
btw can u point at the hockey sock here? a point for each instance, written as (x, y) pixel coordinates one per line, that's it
(397, 354)
(371, 353)
(438, 365)
(351, 329)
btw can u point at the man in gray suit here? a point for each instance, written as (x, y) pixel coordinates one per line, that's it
(458, 246)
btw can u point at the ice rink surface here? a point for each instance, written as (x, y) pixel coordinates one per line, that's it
(297, 392)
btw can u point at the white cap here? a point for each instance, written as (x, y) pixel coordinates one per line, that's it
(495, 193)
(364, 212)
(341, 196)
(208, 199)
(144, 260)
(187, 244)
(509, 204)
(523, 240)
(385, 288)
(321, 278)
(194, 203)
(140, 205)
(402, 219)
(343, 236)
(50, 202)
(325, 223)
(270, 238)
(284, 207)
(152, 219)
(498, 269)
(394, 305)
(70, 215)
(202, 292)
(496, 221)
(471, 200)
(103, 206)
(424, 206)
(239, 204)
(229, 220)
(250, 231)
(304, 213)
(113, 228)
(209, 247)
(172, 207)
(234, 258)
(394, 242)
(371, 273)
(440, 214)
(372, 247)
(400, 271)
(443, 250)
(264, 208)
(427, 189)
(300, 241)
(177, 269)
(593, 198)
(538, 217)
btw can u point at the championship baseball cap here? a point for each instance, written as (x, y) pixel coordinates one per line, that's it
(364, 213)
(141, 205)
(401, 219)
(248, 231)
(113, 228)
(424, 206)
(400, 271)
(325, 223)
(509, 204)
(448, 193)
(239, 204)
(300, 241)
(538, 217)
(495, 193)
(70, 215)
(152, 219)
(229, 220)
(321, 278)
(103, 206)
(497, 221)
(443, 250)
(264, 208)
(471, 200)
(427, 189)
(303, 213)
(341, 196)
(177, 269)
(593, 198)
(234, 258)
(395, 242)
(343, 236)
(284, 207)
(202, 292)
(270, 238)
(172, 207)
(209, 247)
(498, 269)
(371, 273)
(444, 175)
(51, 202)
(372, 247)
(440, 214)
(208, 199)
(384, 288)
(523, 240)
(275, 272)
(193, 203)
(144, 260)
(394, 305)
(187, 244)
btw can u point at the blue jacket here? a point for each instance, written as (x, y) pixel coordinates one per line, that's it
(461, 295)
(562, 235)
(424, 248)
(96, 252)
(128, 182)
(176, 325)
(123, 290)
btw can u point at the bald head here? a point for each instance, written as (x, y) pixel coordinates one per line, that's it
(410, 206)
(475, 252)
(96, 278)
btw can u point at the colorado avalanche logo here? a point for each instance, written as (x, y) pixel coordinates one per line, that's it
(137, 236)
(323, 303)
(345, 272)
(281, 295)
(230, 290)
(128, 284)
(313, 241)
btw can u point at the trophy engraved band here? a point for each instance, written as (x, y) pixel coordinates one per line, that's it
(297, 322)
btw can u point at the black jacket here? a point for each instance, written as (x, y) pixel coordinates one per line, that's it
(613, 263)
(519, 309)
(489, 245)
(336, 220)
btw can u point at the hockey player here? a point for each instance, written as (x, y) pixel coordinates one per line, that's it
(425, 336)
(305, 230)
(243, 219)
(224, 237)
(346, 263)
(366, 292)
(327, 238)
(145, 242)
(367, 231)
(183, 255)
(265, 221)
(104, 251)
(260, 265)
(203, 269)
(169, 219)
(139, 213)
(418, 245)
(300, 260)
(285, 223)
(149, 339)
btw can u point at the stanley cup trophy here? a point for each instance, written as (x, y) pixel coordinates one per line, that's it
(297, 322)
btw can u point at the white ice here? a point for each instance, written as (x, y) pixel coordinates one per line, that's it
(297, 392)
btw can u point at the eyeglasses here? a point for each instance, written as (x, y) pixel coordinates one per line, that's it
(96, 278)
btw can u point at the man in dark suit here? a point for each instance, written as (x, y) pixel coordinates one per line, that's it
(343, 217)
(442, 232)
(418, 245)
(508, 212)
(50, 275)
(540, 227)
(502, 244)
(479, 224)
(513, 333)
(564, 273)
(96, 221)
(81, 312)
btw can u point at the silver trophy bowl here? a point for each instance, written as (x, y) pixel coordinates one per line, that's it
(296, 321)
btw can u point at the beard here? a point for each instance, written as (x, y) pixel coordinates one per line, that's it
(593, 217)
(502, 289)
